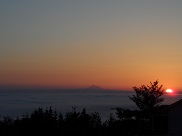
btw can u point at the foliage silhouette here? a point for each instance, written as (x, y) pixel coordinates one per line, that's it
(148, 97)
(127, 122)
(49, 122)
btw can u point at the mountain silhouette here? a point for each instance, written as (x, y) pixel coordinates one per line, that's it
(95, 87)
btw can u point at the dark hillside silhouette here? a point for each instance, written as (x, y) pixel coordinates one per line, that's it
(80, 123)
(148, 120)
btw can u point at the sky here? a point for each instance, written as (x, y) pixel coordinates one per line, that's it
(115, 44)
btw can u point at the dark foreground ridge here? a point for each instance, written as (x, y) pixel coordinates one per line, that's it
(49, 122)
(152, 119)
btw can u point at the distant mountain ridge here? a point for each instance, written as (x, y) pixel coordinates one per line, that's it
(95, 87)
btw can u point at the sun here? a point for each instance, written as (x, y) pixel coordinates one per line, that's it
(169, 91)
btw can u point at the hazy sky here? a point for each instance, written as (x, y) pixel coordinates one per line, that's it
(115, 44)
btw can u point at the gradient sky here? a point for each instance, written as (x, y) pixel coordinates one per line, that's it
(115, 44)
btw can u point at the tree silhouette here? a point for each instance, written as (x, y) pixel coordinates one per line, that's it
(148, 97)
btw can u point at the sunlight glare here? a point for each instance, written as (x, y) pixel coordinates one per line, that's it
(169, 91)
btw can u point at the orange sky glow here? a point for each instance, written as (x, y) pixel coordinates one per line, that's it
(116, 45)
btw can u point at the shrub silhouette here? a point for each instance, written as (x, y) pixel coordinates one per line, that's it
(148, 97)
(80, 123)
(48, 122)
